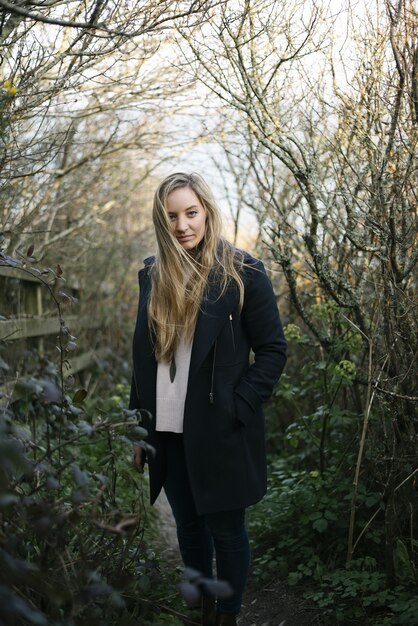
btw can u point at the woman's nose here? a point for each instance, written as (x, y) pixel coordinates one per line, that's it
(181, 223)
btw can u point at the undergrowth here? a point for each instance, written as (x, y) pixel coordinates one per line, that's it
(77, 534)
(300, 530)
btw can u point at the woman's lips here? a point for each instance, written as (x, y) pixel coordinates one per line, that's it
(184, 238)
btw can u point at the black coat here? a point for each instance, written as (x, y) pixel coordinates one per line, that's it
(223, 420)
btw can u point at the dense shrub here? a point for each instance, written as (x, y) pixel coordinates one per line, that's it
(300, 530)
(76, 534)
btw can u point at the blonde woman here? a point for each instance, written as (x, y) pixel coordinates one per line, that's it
(203, 306)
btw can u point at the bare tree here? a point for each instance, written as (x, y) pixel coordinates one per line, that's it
(80, 96)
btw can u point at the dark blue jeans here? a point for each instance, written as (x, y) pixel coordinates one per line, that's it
(199, 535)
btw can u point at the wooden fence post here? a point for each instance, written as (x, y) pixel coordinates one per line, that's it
(31, 322)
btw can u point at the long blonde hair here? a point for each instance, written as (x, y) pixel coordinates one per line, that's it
(174, 306)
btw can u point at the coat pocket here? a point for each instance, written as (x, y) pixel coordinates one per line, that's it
(244, 412)
(236, 409)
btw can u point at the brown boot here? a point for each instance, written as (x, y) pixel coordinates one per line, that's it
(226, 619)
(208, 611)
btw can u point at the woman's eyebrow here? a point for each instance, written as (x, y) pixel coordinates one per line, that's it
(194, 206)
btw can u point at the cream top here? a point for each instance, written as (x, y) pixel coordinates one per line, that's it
(171, 396)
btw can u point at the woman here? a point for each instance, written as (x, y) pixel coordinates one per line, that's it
(203, 305)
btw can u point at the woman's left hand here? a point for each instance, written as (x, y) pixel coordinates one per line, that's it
(139, 459)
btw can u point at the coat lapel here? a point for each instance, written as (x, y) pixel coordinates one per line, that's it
(213, 314)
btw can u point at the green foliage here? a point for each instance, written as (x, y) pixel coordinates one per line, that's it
(300, 529)
(358, 594)
(301, 524)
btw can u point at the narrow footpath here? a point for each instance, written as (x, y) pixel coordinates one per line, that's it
(274, 605)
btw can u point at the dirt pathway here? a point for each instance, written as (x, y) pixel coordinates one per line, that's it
(274, 605)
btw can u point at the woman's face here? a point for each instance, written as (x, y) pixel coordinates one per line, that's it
(187, 217)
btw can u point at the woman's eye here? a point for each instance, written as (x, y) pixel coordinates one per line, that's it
(172, 218)
(192, 213)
